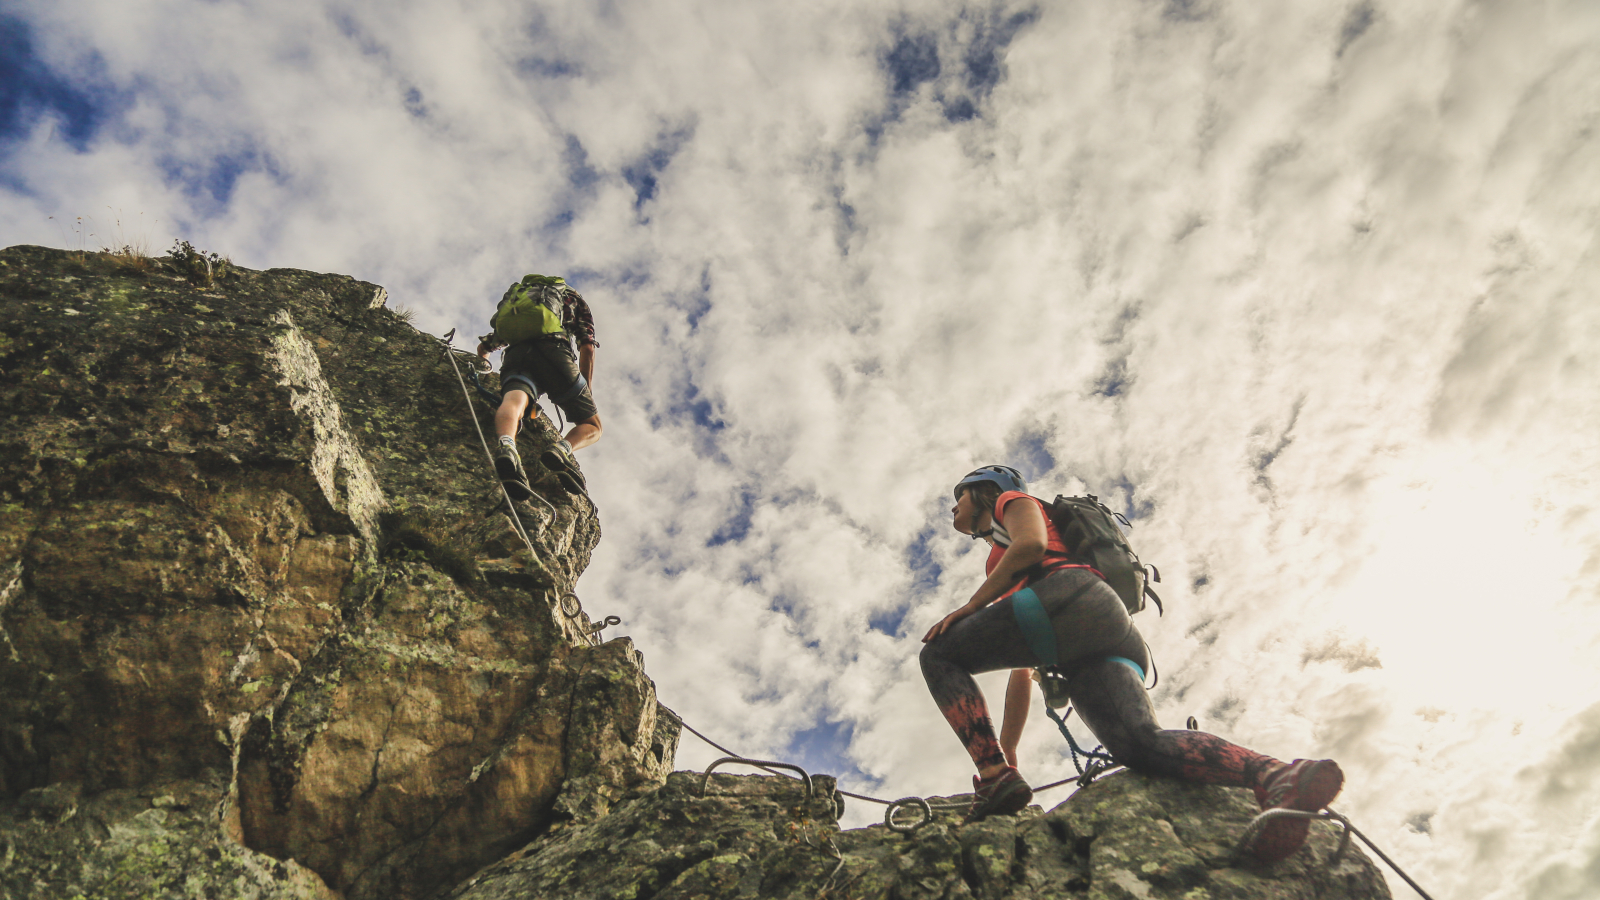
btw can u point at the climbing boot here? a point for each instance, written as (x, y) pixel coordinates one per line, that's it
(558, 459)
(508, 465)
(1002, 794)
(1307, 785)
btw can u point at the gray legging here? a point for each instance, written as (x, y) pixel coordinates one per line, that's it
(1090, 625)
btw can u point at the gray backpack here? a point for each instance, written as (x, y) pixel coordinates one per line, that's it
(1089, 529)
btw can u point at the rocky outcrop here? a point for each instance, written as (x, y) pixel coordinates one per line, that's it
(1124, 837)
(266, 632)
(251, 557)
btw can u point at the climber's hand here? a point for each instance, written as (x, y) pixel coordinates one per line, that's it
(947, 622)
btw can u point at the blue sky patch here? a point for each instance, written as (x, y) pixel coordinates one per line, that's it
(414, 104)
(782, 605)
(1356, 23)
(985, 56)
(553, 57)
(1133, 511)
(642, 173)
(1266, 458)
(912, 62)
(581, 178)
(211, 182)
(737, 525)
(1113, 381)
(698, 409)
(925, 572)
(1185, 11)
(821, 750)
(889, 621)
(31, 89)
(575, 163)
(695, 305)
(982, 60)
(542, 67)
(1031, 456)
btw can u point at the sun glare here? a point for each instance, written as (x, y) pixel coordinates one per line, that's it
(1460, 598)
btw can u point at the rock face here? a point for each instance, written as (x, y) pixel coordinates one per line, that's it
(250, 558)
(266, 632)
(1124, 837)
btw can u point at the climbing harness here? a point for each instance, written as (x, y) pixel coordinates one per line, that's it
(1041, 637)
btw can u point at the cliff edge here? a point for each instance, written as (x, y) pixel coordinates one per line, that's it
(257, 604)
(266, 631)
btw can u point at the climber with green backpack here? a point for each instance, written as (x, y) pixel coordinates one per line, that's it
(1058, 596)
(537, 321)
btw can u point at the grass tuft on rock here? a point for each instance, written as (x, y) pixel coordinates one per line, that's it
(200, 268)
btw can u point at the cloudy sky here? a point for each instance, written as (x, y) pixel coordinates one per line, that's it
(1308, 289)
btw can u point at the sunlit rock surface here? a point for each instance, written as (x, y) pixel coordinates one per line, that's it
(264, 633)
(250, 557)
(763, 836)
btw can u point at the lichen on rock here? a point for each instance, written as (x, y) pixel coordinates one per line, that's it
(756, 836)
(197, 587)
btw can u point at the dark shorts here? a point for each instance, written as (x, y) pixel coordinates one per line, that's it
(549, 367)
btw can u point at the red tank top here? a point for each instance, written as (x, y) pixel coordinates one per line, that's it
(1055, 550)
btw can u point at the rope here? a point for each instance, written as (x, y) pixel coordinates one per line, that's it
(1383, 856)
(892, 806)
(1098, 763)
(516, 520)
(1093, 756)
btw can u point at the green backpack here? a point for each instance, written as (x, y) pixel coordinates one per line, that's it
(530, 308)
(1091, 534)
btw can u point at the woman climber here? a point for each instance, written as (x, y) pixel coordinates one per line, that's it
(1103, 658)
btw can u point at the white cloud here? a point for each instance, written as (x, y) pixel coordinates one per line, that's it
(1309, 287)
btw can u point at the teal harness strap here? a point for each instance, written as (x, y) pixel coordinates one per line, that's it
(1130, 664)
(1035, 625)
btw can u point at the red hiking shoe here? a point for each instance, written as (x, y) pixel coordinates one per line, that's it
(1002, 794)
(1307, 785)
